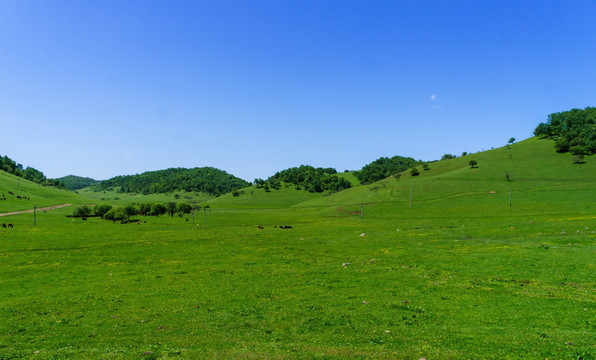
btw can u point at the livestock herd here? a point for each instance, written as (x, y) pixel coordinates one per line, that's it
(3, 197)
(281, 227)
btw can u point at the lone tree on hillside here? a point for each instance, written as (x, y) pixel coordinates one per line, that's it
(473, 163)
(511, 141)
(425, 166)
(414, 171)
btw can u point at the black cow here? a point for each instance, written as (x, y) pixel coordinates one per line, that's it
(10, 226)
(4, 225)
(260, 227)
(285, 227)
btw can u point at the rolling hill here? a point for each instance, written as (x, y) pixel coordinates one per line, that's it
(526, 169)
(32, 194)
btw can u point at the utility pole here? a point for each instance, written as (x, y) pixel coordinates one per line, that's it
(193, 212)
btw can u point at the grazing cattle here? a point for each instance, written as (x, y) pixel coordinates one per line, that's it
(18, 197)
(260, 227)
(285, 227)
(4, 225)
(186, 219)
(10, 226)
(10, 193)
(84, 219)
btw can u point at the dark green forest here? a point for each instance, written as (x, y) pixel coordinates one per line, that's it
(384, 167)
(28, 173)
(572, 131)
(307, 177)
(206, 179)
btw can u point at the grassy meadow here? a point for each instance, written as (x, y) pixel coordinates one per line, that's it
(363, 274)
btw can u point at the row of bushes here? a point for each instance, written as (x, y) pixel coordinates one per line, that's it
(123, 213)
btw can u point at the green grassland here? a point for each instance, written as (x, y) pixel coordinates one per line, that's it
(458, 274)
(39, 196)
(120, 199)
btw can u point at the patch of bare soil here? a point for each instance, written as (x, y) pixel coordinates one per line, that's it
(39, 209)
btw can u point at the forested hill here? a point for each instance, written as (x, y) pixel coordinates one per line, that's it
(308, 177)
(573, 130)
(206, 179)
(73, 182)
(383, 168)
(28, 173)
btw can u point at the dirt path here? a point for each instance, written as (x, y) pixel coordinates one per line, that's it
(39, 209)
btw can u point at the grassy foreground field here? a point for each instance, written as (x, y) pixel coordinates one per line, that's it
(459, 274)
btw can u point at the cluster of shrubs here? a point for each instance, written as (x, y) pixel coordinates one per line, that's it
(572, 131)
(124, 213)
(306, 177)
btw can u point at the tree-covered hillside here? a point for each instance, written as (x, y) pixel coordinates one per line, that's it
(309, 178)
(383, 168)
(73, 182)
(206, 179)
(573, 130)
(28, 173)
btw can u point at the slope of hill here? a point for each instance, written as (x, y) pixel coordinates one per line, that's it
(12, 167)
(259, 198)
(31, 194)
(118, 198)
(526, 169)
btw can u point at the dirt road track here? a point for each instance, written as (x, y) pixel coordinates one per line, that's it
(39, 209)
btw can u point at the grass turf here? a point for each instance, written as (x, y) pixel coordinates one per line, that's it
(457, 275)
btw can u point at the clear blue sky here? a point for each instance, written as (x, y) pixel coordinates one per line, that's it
(106, 88)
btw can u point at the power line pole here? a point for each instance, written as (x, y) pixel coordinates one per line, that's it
(193, 212)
